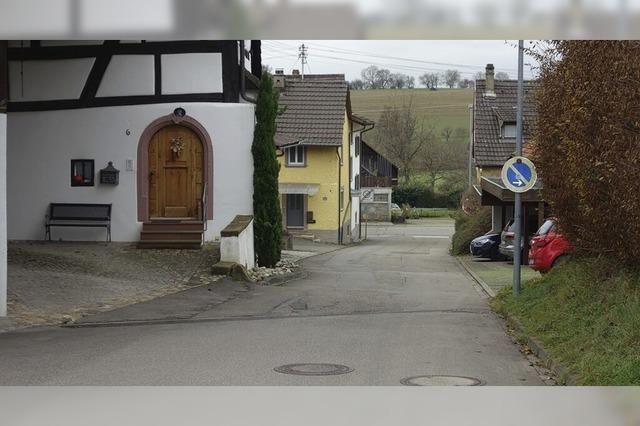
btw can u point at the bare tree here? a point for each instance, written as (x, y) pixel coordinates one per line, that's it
(443, 154)
(451, 77)
(479, 76)
(409, 81)
(369, 76)
(466, 83)
(356, 84)
(430, 80)
(383, 78)
(502, 76)
(401, 136)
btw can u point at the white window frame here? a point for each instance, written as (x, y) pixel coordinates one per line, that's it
(510, 126)
(299, 155)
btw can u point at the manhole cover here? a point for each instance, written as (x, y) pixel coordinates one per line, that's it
(314, 369)
(441, 381)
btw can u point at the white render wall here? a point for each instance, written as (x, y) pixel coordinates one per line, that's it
(191, 73)
(239, 249)
(355, 200)
(40, 146)
(48, 79)
(128, 75)
(3, 215)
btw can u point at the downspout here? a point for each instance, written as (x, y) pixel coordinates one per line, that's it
(339, 186)
(243, 86)
(471, 145)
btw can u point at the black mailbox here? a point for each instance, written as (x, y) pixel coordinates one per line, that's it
(109, 175)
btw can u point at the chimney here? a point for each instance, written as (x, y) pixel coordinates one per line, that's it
(278, 79)
(490, 83)
(295, 72)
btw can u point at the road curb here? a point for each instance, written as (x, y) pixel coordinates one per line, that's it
(475, 277)
(564, 378)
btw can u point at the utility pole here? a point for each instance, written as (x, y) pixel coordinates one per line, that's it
(517, 253)
(302, 55)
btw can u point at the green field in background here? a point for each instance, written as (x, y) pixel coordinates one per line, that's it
(441, 108)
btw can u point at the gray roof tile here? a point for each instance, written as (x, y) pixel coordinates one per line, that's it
(314, 109)
(490, 149)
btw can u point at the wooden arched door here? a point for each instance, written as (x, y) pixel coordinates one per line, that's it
(175, 174)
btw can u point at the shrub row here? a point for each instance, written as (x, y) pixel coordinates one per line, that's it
(422, 196)
(587, 147)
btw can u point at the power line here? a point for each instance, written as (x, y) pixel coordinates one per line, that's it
(377, 55)
(279, 48)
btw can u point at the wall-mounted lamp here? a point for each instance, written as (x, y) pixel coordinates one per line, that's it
(179, 112)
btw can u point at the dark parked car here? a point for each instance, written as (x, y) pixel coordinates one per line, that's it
(486, 246)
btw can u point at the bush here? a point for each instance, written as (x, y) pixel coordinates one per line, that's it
(418, 212)
(422, 196)
(470, 224)
(587, 145)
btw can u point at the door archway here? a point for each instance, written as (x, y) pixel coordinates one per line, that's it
(171, 184)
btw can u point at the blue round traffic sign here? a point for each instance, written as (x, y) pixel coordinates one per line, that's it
(519, 174)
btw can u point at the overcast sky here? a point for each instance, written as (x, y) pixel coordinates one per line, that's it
(414, 57)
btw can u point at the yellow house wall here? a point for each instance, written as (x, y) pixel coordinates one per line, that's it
(322, 168)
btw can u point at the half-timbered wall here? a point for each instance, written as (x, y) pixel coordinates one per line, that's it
(67, 75)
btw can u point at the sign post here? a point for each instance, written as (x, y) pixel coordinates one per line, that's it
(517, 253)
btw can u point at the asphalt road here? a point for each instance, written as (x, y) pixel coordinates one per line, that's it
(396, 306)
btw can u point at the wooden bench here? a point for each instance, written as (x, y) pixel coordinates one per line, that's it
(76, 214)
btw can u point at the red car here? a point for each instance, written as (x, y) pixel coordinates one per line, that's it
(547, 246)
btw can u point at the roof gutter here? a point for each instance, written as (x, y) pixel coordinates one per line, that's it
(243, 86)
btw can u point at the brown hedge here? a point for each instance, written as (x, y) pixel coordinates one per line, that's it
(587, 147)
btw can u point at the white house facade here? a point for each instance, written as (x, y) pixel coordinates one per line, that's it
(170, 117)
(359, 126)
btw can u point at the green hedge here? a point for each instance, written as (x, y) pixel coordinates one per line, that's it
(468, 227)
(422, 196)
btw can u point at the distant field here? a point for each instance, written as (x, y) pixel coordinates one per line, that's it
(440, 108)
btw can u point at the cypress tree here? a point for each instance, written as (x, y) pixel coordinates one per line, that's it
(266, 199)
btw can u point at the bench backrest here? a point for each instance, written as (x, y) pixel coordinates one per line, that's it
(64, 211)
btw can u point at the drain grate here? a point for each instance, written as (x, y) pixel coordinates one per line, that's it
(314, 369)
(436, 380)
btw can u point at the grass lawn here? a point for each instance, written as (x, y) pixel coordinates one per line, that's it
(499, 274)
(441, 108)
(417, 212)
(586, 314)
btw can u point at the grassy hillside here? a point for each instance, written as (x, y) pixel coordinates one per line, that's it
(440, 108)
(585, 313)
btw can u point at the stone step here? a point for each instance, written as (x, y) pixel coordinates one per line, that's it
(170, 244)
(173, 226)
(170, 235)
